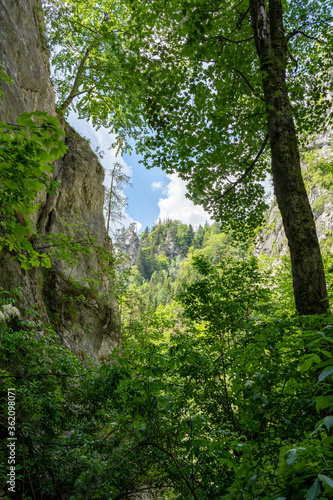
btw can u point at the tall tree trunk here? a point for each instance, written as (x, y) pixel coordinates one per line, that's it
(307, 266)
(110, 198)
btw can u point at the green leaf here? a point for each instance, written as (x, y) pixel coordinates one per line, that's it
(328, 421)
(328, 481)
(325, 374)
(316, 359)
(307, 364)
(323, 402)
(314, 491)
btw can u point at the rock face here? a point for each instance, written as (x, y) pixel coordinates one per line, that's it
(25, 59)
(272, 241)
(170, 247)
(76, 299)
(128, 241)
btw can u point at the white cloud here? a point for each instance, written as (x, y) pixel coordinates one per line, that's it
(156, 186)
(129, 220)
(102, 140)
(176, 206)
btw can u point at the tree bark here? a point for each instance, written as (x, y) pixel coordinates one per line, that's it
(109, 207)
(307, 267)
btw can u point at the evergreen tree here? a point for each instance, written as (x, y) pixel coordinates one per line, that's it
(114, 199)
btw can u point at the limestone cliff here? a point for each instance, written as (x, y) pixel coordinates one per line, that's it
(77, 300)
(128, 242)
(272, 241)
(170, 247)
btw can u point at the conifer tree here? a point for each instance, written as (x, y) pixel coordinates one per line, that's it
(114, 199)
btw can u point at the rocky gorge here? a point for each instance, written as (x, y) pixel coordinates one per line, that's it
(88, 321)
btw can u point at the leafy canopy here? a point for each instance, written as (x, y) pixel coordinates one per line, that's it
(208, 116)
(94, 71)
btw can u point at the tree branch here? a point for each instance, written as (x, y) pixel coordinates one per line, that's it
(220, 37)
(175, 461)
(248, 84)
(296, 32)
(77, 82)
(248, 170)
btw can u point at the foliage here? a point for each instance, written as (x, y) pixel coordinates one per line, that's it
(318, 173)
(64, 424)
(226, 397)
(68, 246)
(26, 152)
(208, 116)
(94, 72)
(114, 199)
(226, 393)
(229, 404)
(164, 261)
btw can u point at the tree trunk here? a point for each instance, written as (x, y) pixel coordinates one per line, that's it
(307, 267)
(77, 82)
(110, 198)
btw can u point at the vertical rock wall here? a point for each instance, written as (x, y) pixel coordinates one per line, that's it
(76, 300)
(272, 241)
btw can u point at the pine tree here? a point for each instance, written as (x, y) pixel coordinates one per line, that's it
(114, 199)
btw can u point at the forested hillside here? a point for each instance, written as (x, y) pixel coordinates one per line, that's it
(164, 261)
(219, 385)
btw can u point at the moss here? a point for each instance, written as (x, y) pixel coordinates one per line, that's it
(63, 296)
(39, 15)
(320, 202)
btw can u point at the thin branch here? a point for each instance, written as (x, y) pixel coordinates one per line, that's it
(312, 37)
(175, 461)
(83, 92)
(248, 84)
(220, 37)
(249, 168)
(77, 82)
(305, 25)
(84, 26)
(296, 32)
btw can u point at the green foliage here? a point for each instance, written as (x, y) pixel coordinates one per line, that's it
(94, 72)
(26, 152)
(318, 174)
(208, 113)
(66, 421)
(70, 245)
(237, 402)
(226, 394)
(225, 397)
(226, 294)
(164, 261)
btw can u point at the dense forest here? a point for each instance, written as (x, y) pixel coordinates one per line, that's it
(218, 383)
(164, 261)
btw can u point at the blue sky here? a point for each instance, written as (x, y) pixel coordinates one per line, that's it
(153, 194)
(144, 194)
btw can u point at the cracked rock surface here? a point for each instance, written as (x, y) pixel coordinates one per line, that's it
(86, 317)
